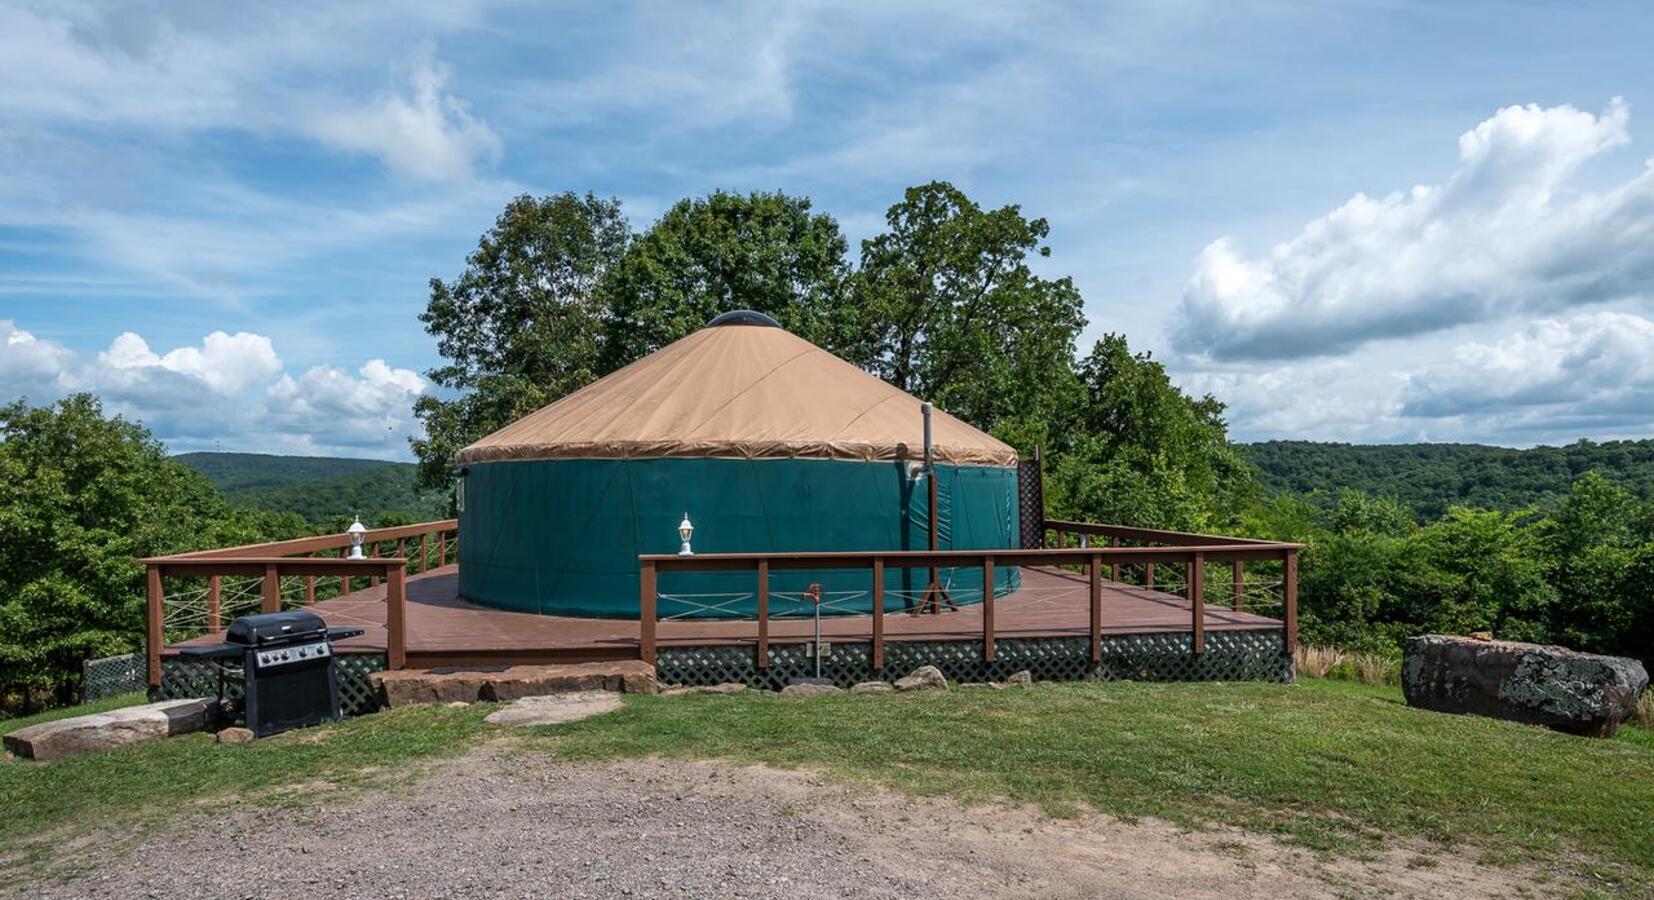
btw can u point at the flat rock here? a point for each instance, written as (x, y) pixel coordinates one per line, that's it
(1024, 678)
(924, 678)
(810, 690)
(115, 728)
(409, 686)
(234, 736)
(552, 709)
(1562, 689)
(728, 687)
(871, 687)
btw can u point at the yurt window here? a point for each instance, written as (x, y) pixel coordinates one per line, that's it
(459, 491)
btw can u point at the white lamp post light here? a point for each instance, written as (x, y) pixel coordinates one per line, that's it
(356, 531)
(684, 531)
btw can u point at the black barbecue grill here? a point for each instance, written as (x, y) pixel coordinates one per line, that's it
(284, 661)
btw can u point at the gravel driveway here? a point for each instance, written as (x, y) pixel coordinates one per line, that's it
(505, 824)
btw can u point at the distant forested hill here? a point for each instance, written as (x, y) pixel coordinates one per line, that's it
(321, 489)
(1432, 477)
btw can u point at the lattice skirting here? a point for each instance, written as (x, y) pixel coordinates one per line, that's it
(1229, 656)
(111, 675)
(181, 678)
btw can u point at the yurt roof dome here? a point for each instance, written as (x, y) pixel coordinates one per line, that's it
(744, 388)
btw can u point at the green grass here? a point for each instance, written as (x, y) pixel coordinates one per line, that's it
(1341, 767)
(1332, 765)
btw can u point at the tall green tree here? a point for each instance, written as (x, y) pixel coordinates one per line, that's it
(522, 325)
(723, 252)
(85, 497)
(1129, 446)
(949, 309)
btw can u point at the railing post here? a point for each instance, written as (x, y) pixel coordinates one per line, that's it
(1239, 577)
(646, 612)
(763, 660)
(1197, 601)
(1289, 591)
(988, 653)
(1114, 569)
(878, 613)
(270, 600)
(344, 580)
(424, 551)
(1148, 576)
(396, 622)
(154, 634)
(309, 590)
(215, 614)
(373, 553)
(1094, 567)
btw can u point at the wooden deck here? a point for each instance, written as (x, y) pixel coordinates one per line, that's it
(444, 630)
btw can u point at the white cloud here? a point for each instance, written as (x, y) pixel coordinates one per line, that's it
(228, 392)
(1596, 365)
(430, 134)
(1504, 234)
(32, 367)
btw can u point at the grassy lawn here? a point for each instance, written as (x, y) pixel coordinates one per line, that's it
(1336, 766)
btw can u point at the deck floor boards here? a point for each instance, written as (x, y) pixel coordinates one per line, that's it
(1051, 603)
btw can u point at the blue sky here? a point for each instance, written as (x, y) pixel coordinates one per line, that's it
(1363, 221)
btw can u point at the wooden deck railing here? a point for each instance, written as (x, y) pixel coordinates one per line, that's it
(1155, 548)
(308, 559)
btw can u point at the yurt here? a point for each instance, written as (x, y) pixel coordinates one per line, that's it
(765, 442)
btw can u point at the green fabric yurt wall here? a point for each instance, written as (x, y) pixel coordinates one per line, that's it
(562, 536)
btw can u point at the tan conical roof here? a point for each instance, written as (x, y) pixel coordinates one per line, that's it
(747, 391)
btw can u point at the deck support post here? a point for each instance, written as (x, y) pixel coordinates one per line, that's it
(1197, 602)
(988, 651)
(763, 660)
(396, 623)
(1239, 577)
(270, 601)
(1094, 571)
(1289, 592)
(215, 614)
(878, 613)
(646, 613)
(153, 635)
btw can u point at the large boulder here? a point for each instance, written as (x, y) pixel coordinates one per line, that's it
(115, 728)
(1579, 693)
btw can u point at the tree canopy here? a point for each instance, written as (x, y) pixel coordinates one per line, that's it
(87, 496)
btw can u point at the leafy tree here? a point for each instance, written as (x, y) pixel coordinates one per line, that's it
(723, 252)
(1135, 449)
(86, 497)
(949, 309)
(523, 325)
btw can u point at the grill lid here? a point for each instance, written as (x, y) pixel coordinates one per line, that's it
(277, 628)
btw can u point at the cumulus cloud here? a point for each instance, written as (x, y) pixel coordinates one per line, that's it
(1505, 233)
(428, 134)
(228, 391)
(1594, 366)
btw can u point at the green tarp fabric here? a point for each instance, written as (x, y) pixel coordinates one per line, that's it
(562, 536)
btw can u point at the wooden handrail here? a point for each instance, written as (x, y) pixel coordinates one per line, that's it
(1151, 535)
(335, 541)
(272, 560)
(1194, 556)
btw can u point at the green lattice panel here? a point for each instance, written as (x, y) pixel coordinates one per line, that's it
(1229, 656)
(112, 675)
(193, 678)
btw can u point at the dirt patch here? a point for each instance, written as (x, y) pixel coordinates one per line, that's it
(507, 824)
